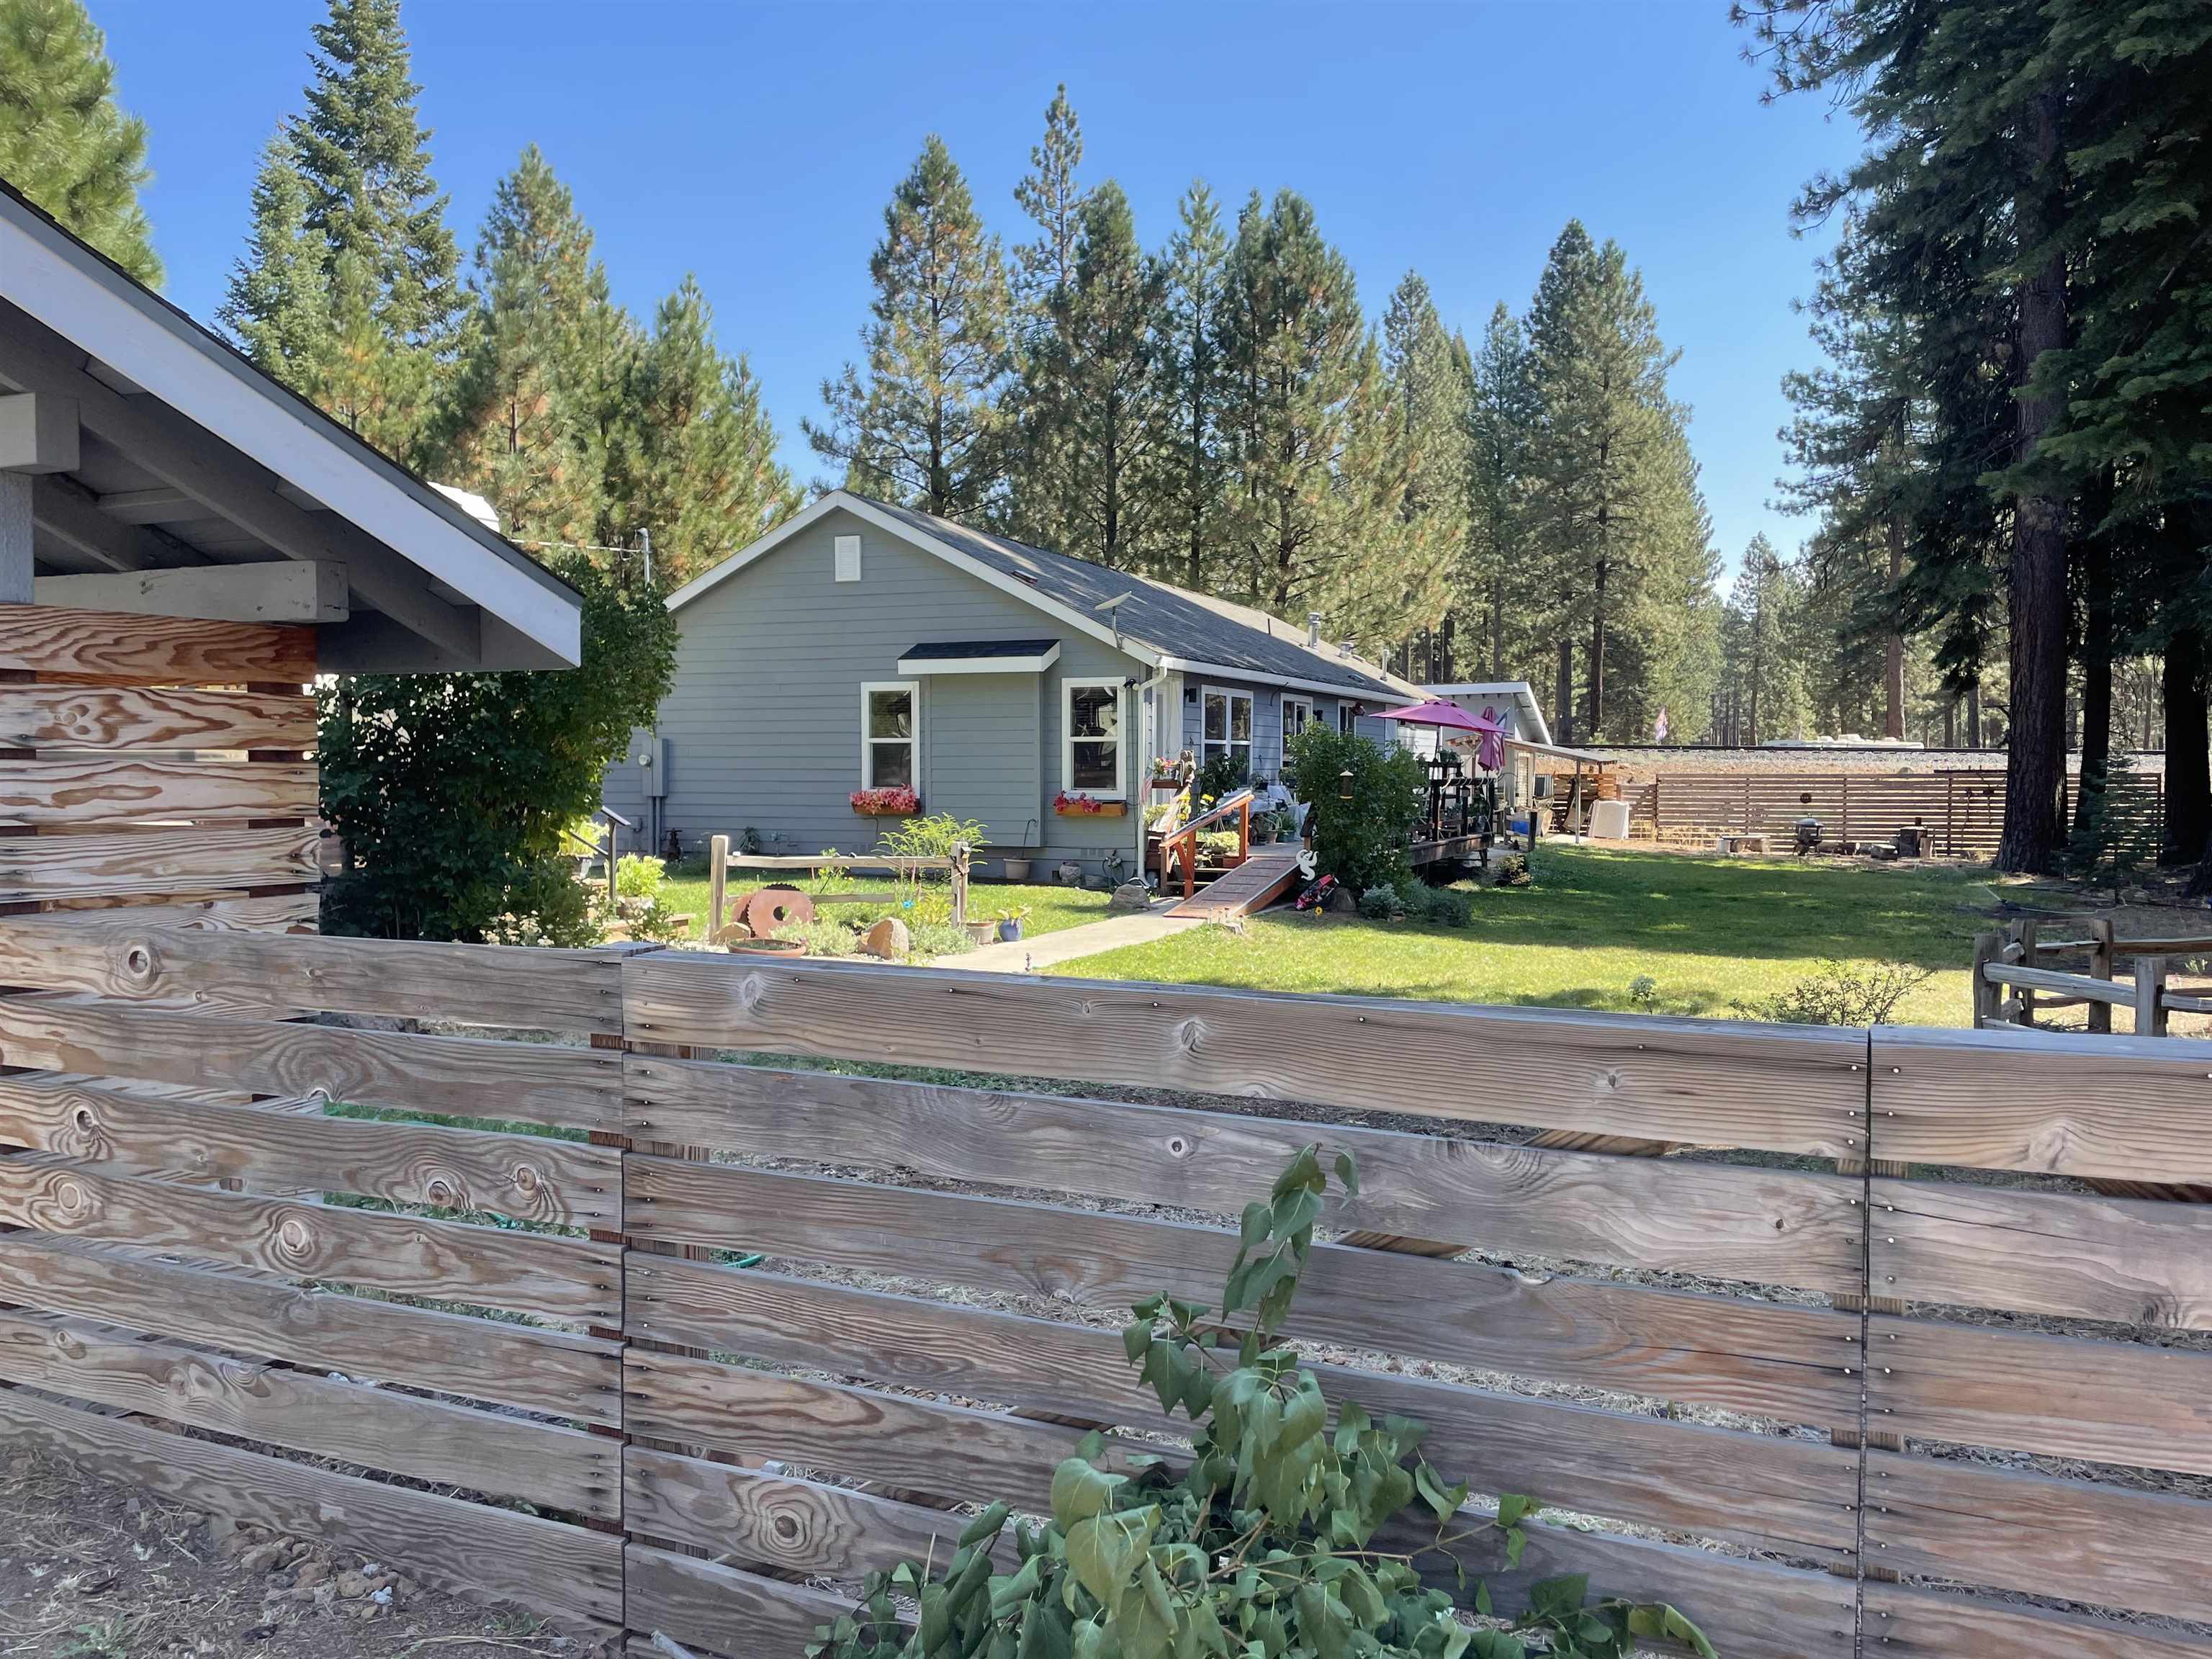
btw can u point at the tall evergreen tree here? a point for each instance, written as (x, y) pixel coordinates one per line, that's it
(1428, 387)
(1101, 394)
(1494, 586)
(1044, 504)
(63, 141)
(1194, 472)
(279, 306)
(1760, 687)
(1614, 507)
(1052, 197)
(1320, 480)
(925, 426)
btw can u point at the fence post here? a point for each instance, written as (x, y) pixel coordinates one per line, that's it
(2150, 996)
(960, 884)
(1844, 833)
(2100, 966)
(717, 883)
(1987, 947)
(2024, 934)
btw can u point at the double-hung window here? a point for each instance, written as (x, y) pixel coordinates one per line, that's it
(1090, 739)
(1347, 716)
(889, 729)
(1227, 726)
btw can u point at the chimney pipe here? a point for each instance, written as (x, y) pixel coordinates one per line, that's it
(1344, 646)
(1313, 629)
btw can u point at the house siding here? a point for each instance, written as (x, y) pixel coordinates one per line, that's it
(762, 725)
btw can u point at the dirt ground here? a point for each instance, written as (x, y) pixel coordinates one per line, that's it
(93, 1570)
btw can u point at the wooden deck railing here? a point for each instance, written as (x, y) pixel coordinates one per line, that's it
(763, 1327)
(1181, 843)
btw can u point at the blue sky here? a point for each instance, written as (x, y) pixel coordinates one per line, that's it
(756, 145)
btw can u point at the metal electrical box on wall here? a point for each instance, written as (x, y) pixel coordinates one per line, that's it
(649, 754)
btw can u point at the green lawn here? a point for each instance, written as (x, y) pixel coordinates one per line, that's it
(1050, 909)
(1706, 931)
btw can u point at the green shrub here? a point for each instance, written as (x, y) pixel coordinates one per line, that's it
(1223, 776)
(639, 877)
(938, 939)
(1361, 841)
(1380, 904)
(1837, 994)
(1439, 907)
(1271, 1542)
(825, 936)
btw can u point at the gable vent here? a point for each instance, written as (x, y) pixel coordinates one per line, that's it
(848, 558)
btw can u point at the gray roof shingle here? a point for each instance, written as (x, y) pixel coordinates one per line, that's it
(1171, 620)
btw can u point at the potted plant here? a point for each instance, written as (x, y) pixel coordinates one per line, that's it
(896, 802)
(1009, 922)
(1014, 869)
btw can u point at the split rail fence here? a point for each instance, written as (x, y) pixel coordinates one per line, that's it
(2022, 973)
(1822, 1334)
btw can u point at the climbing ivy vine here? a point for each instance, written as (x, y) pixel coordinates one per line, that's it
(1283, 1538)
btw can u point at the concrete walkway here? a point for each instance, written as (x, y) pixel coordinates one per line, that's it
(1025, 956)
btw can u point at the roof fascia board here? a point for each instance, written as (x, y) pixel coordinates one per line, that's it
(100, 312)
(1259, 676)
(868, 514)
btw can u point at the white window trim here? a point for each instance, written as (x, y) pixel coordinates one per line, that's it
(1250, 740)
(1283, 728)
(1347, 720)
(913, 739)
(1067, 691)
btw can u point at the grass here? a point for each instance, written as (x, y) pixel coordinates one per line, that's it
(1707, 933)
(1050, 908)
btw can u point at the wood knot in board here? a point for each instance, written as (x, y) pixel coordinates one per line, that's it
(1190, 1035)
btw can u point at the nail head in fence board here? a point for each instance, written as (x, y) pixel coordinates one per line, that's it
(152, 862)
(278, 1144)
(2135, 1108)
(2136, 1261)
(551, 1371)
(139, 717)
(554, 1570)
(1701, 1081)
(1903, 1621)
(353, 1423)
(120, 649)
(1763, 1358)
(1788, 1494)
(2101, 1544)
(2108, 1402)
(453, 1261)
(702, 1605)
(778, 1523)
(465, 1076)
(119, 791)
(1760, 1225)
(145, 955)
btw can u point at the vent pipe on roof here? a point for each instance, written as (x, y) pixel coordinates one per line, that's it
(1344, 647)
(1313, 629)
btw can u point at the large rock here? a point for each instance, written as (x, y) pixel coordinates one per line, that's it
(888, 938)
(1131, 896)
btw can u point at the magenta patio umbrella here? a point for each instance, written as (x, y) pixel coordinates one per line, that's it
(1450, 717)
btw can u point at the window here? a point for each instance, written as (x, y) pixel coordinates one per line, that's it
(1090, 738)
(848, 558)
(1347, 715)
(1227, 727)
(888, 730)
(1298, 714)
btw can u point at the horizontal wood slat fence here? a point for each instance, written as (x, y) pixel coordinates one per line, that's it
(1962, 811)
(602, 1297)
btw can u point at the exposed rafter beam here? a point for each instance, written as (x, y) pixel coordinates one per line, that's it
(174, 449)
(279, 591)
(163, 506)
(69, 515)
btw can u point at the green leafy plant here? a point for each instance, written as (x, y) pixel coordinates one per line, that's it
(639, 877)
(1644, 992)
(1361, 841)
(1223, 776)
(1281, 1539)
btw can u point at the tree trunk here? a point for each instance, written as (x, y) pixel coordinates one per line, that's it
(1597, 651)
(2188, 765)
(2036, 764)
(1893, 645)
(1974, 714)
(1564, 694)
(1951, 724)
(2096, 660)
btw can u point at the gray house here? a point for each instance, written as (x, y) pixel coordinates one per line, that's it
(861, 646)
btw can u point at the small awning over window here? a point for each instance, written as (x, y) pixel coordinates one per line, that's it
(980, 657)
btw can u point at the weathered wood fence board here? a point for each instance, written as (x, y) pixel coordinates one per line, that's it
(100, 718)
(120, 649)
(146, 863)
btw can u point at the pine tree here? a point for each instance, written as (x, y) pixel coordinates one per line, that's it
(387, 261)
(1614, 511)
(1054, 199)
(1494, 586)
(1192, 467)
(1044, 504)
(64, 142)
(699, 470)
(1428, 390)
(1315, 514)
(1760, 689)
(925, 426)
(1099, 394)
(279, 306)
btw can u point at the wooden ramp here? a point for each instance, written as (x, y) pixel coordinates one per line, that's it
(1252, 885)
